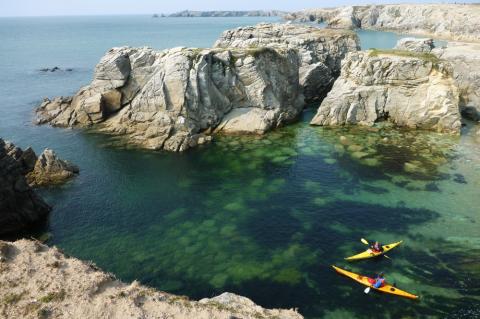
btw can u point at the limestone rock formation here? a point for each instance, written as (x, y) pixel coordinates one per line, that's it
(453, 21)
(409, 89)
(465, 59)
(320, 50)
(50, 170)
(38, 281)
(170, 99)
(415, 44)
(20, 207)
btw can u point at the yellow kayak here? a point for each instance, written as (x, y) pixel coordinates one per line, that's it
(369, 253)
(367, 281)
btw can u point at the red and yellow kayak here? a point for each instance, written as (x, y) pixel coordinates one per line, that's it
(367, 281)
(370, 254)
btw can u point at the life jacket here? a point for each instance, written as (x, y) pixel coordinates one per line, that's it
(379, 282)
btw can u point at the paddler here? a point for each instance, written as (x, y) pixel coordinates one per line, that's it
(376, 247)
(379, 281)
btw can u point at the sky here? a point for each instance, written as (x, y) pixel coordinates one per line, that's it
(114, 7)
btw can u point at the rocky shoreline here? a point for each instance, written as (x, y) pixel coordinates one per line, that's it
(254, 79)
(409, 89)
(261, 77)
(21, 171)
(448, 21)
(42, 282)
(175, 99)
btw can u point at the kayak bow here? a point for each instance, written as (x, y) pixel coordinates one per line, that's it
(370, 254)
(366, 281)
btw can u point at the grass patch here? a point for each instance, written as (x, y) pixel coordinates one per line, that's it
(53, 296)
(427, 57)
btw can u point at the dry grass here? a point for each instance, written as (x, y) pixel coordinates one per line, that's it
(428, 57)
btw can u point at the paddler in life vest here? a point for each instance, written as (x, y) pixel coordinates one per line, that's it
(379, 281)
(376, 247)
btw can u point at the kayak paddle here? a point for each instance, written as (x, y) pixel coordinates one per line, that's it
(363, 240)
(367, 290)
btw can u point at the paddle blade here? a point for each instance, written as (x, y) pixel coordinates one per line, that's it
(367, 290)
(387, 257)
(363, 240)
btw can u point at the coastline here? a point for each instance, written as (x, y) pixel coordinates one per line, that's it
(208, 309)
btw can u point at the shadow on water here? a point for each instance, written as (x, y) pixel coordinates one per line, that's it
(264, 217)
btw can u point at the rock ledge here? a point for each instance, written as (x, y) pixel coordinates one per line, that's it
(38, 281)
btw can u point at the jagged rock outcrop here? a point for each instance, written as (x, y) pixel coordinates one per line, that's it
(409, 89)
(453, 21)
(170, 99)
(40, 282)
(20, 207)
(415, 44)
(465, 59)
(50, 170)
(320, 50)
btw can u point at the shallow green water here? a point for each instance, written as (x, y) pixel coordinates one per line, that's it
(262, 217)
(266, 217)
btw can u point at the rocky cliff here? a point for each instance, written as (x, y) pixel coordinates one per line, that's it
(170, 99)
(465, 60)
(20, 207)
(50, 170)
(20, 170)
(415, 45)
(41, 282)
(409, 89)
(320, 51)
(452, 21)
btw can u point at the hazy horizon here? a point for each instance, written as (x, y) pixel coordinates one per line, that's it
(25, 8)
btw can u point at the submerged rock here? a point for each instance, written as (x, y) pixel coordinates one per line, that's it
(408, 89)
(320, 51)
(50, 170)
(170, 99)
(47, 281)
(20, 206)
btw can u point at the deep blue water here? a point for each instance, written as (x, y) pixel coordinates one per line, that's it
(263, 217)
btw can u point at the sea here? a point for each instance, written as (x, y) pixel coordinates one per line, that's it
(264, 217)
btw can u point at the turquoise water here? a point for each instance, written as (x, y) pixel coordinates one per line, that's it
(262, 217)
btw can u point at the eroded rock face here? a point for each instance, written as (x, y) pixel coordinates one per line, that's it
(169, 99)
(20, 207)
(465, 59)
(50, 170)
(320, 51)
(408, 89)
(415, 45)
(43, 280)
(453, 21)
